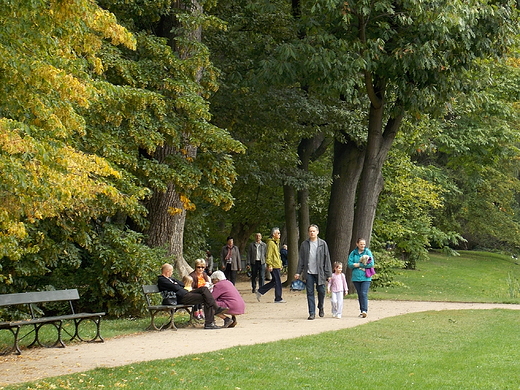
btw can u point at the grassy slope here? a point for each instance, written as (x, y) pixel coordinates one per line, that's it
(471, 277)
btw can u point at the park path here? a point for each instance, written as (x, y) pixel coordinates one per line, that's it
(263, 322)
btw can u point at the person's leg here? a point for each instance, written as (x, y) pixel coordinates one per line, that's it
(357, 285)
(309, 286)
(233, 277)
(321, 298)
(276, 277)
(254, 274)
(339, 304)
(227, 271)
(334, 304)
(202, 295)
(363, 301)
(266, 287)
(261, 276)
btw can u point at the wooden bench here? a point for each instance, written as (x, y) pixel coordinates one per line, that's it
(35, 317)
(152, 295)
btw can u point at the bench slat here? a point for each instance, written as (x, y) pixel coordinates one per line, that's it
(38, 297)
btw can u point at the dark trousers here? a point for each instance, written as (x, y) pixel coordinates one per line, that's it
(258, 270)
(202, 296)
(312, 279)
(276, 282)
(230, 275)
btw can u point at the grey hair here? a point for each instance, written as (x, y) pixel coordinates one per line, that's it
(275, 229)
(218, 275)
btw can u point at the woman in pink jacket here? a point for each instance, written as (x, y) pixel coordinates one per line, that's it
(226, 294)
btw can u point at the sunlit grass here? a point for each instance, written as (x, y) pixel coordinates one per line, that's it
(463, 349)
(471, 277)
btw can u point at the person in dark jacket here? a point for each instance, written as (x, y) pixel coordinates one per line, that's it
(256, 260)
(197, 296)
(315, 268)
(230, 261)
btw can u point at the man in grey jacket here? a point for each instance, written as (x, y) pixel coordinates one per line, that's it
(315, 268)
(256, 260)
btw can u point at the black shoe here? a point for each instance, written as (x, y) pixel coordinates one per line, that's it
(211, 326)
(322, 313)
(311, 317)
(221, 310)
(227, 322)
(233, 323)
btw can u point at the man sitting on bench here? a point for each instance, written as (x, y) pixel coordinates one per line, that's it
(165, 282)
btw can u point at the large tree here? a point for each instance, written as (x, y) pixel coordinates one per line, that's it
(188, 158)
(48, 49)
(409, 57)
(86, 111)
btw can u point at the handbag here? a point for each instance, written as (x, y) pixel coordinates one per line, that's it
(169, 298)
(369, 272)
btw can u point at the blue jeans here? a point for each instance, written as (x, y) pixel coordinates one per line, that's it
(312, 279)
(362, 292)
(257, 271)
(276, 282)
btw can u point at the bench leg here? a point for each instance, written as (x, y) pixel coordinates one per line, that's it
(57, 343)
(169, 325)
(97, 337)
(15, 348)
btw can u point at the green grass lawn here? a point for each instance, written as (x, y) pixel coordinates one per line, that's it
(463, 349)
(471, 277)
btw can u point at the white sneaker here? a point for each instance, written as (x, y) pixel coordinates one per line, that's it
(338, 316)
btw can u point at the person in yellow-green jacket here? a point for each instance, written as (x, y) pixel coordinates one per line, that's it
(273, 263)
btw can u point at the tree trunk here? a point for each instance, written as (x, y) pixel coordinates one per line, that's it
(347, 167)
(309, 149)
(241, 233)
(370, 187)
(292, 231)
(167, 213)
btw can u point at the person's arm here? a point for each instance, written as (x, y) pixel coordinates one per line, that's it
(238, 259)
(351, 260)
(269, 255)
(165, 285)
(300, 266)
(344, 281)
(249, 255)
(328, 264)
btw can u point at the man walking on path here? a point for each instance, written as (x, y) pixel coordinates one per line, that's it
(274, 266)
(256, 260)
(315, 267)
